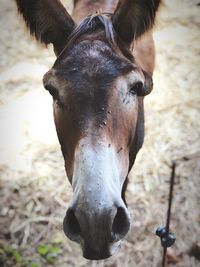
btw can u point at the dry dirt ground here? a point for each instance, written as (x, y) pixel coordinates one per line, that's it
(34, 188)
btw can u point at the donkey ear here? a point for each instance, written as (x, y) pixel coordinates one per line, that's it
(132, 18)
(48, 21)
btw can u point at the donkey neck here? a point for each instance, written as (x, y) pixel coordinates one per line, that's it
(83, 8)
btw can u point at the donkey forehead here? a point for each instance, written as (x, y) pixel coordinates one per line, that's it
(91, 65)
(94, 59)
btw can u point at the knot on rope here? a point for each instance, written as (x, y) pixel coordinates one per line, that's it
(167, 239)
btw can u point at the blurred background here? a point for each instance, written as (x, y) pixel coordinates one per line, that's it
(34, 190)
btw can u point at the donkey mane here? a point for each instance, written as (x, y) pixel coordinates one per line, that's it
(95, 23)
(91, 24)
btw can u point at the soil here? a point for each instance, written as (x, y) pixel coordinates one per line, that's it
(34, 189)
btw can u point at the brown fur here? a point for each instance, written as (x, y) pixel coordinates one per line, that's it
(103, 71)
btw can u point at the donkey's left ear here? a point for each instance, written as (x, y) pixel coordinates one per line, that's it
(48, 21)
(132, 18)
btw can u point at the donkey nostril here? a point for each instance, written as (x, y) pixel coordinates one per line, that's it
(121, 224)
(71, 226)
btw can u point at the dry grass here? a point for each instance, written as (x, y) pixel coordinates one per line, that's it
(34, 188)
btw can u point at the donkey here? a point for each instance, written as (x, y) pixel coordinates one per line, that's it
(103, 70)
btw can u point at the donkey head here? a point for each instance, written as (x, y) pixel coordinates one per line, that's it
(97, 89)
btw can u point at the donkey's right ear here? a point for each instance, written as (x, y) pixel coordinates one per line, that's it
(132, 18)
(48, 21)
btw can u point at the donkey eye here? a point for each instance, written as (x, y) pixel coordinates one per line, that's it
(137, 88)
(53, 91)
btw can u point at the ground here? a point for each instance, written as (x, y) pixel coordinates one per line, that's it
(34, 189)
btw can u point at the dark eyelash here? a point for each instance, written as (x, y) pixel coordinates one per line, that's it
(137, 88)
(53, 92)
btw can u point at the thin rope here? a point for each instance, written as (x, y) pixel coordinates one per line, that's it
(169, 209)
